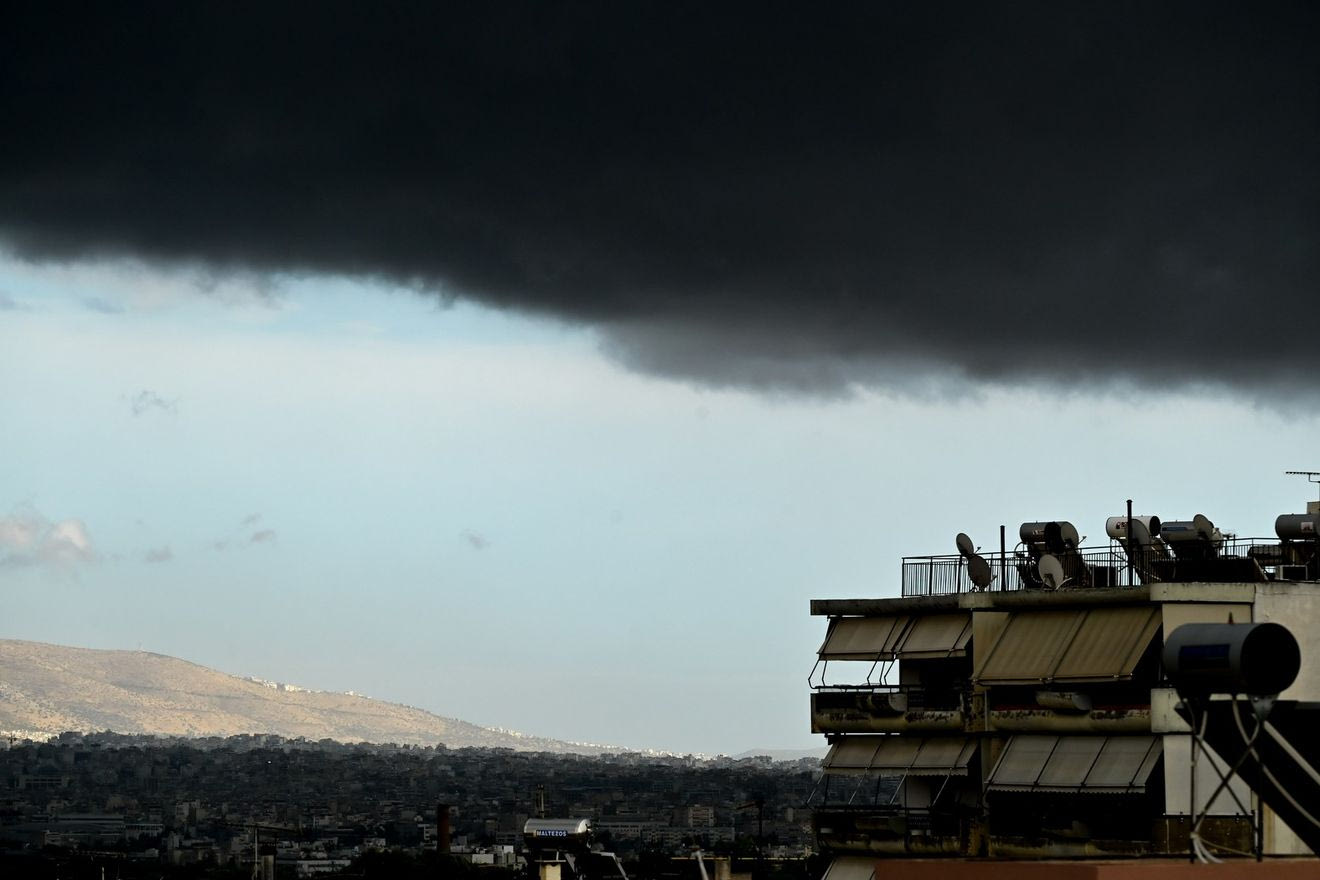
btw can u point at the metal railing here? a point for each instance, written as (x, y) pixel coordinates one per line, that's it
(1233, 560)
(916, 697)
(843, 823)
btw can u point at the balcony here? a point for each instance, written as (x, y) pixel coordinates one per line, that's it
(893, 830)
(886, 709)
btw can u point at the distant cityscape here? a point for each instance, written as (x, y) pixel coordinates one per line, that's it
(206, 807)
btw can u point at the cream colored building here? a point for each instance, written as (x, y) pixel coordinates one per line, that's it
(1011, 720)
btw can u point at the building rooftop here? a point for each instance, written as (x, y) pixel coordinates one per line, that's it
(1142, 550)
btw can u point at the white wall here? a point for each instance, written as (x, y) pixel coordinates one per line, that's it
(1177, 780)
(1296, 606)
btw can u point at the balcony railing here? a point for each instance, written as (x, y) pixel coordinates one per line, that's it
(896, 698)
(845, 826)
(1234, 560)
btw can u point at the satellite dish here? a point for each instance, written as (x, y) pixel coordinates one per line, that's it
(965, 546)
(979, 571)
(1051, 572)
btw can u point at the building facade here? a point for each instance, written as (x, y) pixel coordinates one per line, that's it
(1014, 705)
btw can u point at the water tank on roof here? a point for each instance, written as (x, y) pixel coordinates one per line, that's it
(1116, 526)
(1056, 535)
(557, 833)
(1198, 528)
(1259, 659)
(1297, 527)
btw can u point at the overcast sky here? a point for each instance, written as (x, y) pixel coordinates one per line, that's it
(537, 366)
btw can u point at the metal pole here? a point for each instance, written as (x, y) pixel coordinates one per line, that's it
(1128, 539)
(1194, 816)
(1003, 561)
(1260, 831)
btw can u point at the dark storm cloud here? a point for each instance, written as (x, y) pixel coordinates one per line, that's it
(782, 195)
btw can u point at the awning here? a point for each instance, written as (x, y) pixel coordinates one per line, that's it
(1076, 764)
(900, 756)
(1098, 644)
(892, 636)
(851, 868)
(937, 635)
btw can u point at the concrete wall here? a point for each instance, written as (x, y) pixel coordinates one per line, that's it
(1177, 781)
(1296, 606)
(1175, 614)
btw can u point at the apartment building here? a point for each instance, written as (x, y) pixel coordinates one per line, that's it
(1013, 704)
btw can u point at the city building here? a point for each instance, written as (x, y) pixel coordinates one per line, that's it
(1013, 704)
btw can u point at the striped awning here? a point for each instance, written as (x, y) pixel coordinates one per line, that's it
(900, 756)
(1081, 645)
(891, 636)
(1077, 764)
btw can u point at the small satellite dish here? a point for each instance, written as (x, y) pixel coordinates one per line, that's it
(965, 546)
(1051, 572)
(979, 571)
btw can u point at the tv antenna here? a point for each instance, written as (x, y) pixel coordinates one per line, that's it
(1311, 476)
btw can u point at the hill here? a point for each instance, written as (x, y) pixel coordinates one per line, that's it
(46, 689)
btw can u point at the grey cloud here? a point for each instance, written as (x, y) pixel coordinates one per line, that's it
(244, 536)
(475, 540)
(29, 538)
(146, 401)
(105, 307)
(772, 196)
(158, 554)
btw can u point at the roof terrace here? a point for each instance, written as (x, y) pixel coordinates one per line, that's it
(1193, 551)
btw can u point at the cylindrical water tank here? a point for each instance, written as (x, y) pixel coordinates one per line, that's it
(557, 833)
(1116, 526)
(1297, 527)
(1055, 534)
(1198, 528)
(1232, 658)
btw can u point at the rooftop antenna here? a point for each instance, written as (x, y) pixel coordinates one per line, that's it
(1311, 476)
